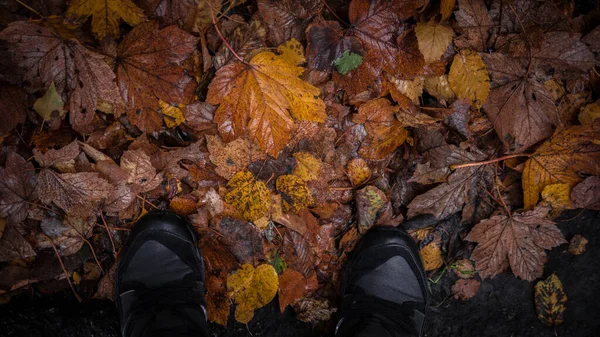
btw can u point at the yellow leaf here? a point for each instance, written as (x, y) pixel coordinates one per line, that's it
(106, 14)
(433, 39)
(358, 171)
(439, 87)
(173, 114)
(294, 193)
(263, 99)
(232, 157)
(558, 196)
(550, 301)
(432, 256)
(469, 77)
(589, 113)
(252, 288)
(292, 52)
(251, 198)
(76, 278)
(412, 89)
(50, 102)
(446, 8)
(307, 166)
(561, 160)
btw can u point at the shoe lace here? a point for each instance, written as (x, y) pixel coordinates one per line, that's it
(178, 299)
(393, 317)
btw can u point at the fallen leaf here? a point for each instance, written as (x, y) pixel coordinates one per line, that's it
(589, 113)
(141, 82)
(106, 14)
(434, 39)
(244, 40)
(49, 103)
(13, 107)
(13, 246)
(347, 62)
(358, 171)
(412, 89)
(218, 305)
(285, 97)
(17, 188)
(298, 253)
(173, 12)
(292, 286)
(464, 269)
(561, 160)
(307, 166)
(139, 169)
(465, 289)
(250, 197)
(106, 286)
(63, 158)
(294, 193)
(183, 205)
(550, 301)
(369, 202)
(314, 311)
(432, 256)
(287, 19)
(172, 115)
(469, 78)
(520, 239)
(577, 245)
(242, 239)
(292, 52)
(67, 234)
(232, 157)
(439, 87)
(446, 8)
(474, 24)
(252, 288)
(587, 194)
(558, 197)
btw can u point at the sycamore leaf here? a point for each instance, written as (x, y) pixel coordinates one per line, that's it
(264, 98)
(79, 74)
(519, 239)
(77, 194)
(250, 197)
(17, 184)
(347, 62)
(307, 166)
(561, 160)
(434, 39)
(13, 107)
(474, 23)
(106, 14)
(49, 103)
(358, 171)
(149, 66)
(14, 246)
(252, 288)
(469, 78)
(550, 301)
(232, 157)
(287, 19)
(294, 193)
(292, 52)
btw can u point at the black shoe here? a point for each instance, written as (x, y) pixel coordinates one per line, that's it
(159, 284)
(384, 292)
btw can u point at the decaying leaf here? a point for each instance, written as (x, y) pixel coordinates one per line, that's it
(589, 113)
(434, 39)
(518, 240)
(465, 289)
(268, 120)
(469, 78)
(369, 202)
(287, 19)
(13, 107)
(292, 286)
(292, 52)
(550, 301)
(252, 288)
(358, 171)
(587, 193)
(577, 245)
(49, 103)
(432, 256)
(464, 269)
(217, 303)
(294, 193)
(250, 197)
(307, 166)
(232, 157)
(17, 188)
(314, 311)
(106, 14)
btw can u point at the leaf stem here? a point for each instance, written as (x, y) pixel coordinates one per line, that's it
(491, 161)
(333, 12)
(109, 234)
(214, 20)
(31, 9)
(62, 265)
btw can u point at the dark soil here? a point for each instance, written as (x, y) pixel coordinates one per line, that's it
(503, 306)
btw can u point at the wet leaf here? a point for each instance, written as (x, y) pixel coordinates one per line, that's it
(13, 246)
(245, 39)
(292, 52)
(520, 240)
(432, 256)
(465, 289)
(474, 22)
(285, 97)
(292, 286)
(358, 171)
(49, 103)
(307, 166)
(587, 194)
(252, 288)
(434, 39)
(347, 62)
(577, 245)
(314, 311)
(250, 197)
(550, 301)
(589, 113)
(558, 197)
(446, 8)
(286, 19)
(232, 157)
(173, 115)
(173, 12)
(469, 78)
(106, 14)
(139, 170)
(369, 202)
(464, 269)
(294, 193)
(17, 188)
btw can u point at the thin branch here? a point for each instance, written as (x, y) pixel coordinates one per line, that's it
(89, 244)
(491, 161)
(31, 9)
(62, 265)
(333, 12)
(214, 20)
(109, 234)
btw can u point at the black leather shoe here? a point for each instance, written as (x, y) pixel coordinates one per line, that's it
(159, 284)
(384, 292)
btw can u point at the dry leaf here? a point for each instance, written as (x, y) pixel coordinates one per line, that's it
(469, 78)
(252, 288)
(550, 301)
(434, 39)
(269, 120)
(250, 197)
(106, 14)
(520, 239)
(465, 289)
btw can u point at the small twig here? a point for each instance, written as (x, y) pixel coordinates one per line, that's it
(149, 203)
(89, 244)
(333, 12)
(31, 9)
(491, 161)
(500, 194)
(214, 20)
(62, 265)
(341, 188)
(109, 235)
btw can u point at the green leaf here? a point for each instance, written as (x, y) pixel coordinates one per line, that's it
(347, 62)
(278, 263)
(50, 102)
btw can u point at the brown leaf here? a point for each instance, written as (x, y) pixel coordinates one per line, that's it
(244, 40)
(475, 23)
(171, 12)
(142, 82)
(464, 269)
(17, 188)
(13, 246)
(587, 194)
(243, 239)
(292, 286)
(312, 310)
(78, 73)
(140, 172)
(67, 234)
(13, 107)
(369, 202)
(232, 157)
(183, 205)
(465, 289)
(577, 245)
(106, 287)
(78, 194)
(218, 304)
(550, 301)
(63, 158)
(520, 240)
(298, 253)
(286, 19)
(562, 54)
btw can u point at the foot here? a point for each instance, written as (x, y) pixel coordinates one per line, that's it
(159, 284)
(384, 292)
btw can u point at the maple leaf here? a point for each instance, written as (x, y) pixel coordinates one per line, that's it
(252, 288)
(77, 194)
(550, 301)
(474, 24)
(244, 39)
(13, 246)
(106, 14)
(264, 97)
(13, 107)
(17, 184)
(149, 66)
(561, 160)
(286, 19)
(78, 73)
(519, 239)
(434, 39)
